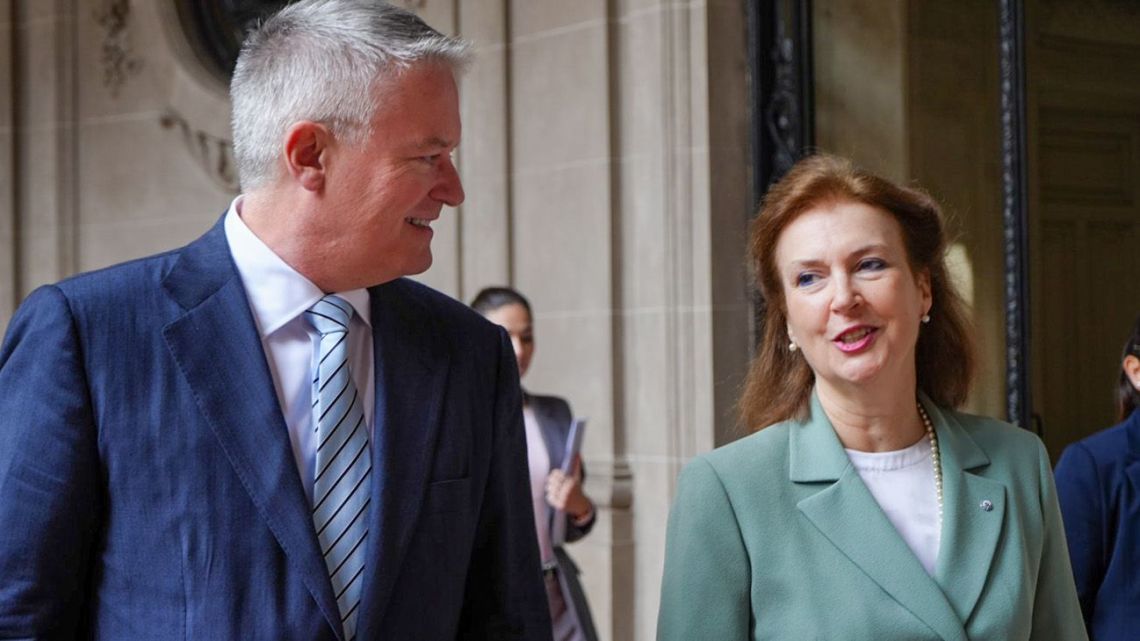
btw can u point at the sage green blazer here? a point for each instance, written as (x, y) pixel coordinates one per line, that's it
(775, 536)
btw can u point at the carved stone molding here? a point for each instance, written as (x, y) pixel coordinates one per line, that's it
(119, 61)
(214, 155)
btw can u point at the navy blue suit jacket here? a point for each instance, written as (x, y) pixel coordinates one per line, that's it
(148, 488)
(1098, 484)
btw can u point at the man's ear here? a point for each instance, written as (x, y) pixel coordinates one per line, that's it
(305, 146)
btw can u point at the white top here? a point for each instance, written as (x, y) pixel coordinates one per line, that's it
(902, 483)
(539, 459)
(278, 297)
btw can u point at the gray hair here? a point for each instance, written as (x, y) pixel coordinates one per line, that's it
(323, 60)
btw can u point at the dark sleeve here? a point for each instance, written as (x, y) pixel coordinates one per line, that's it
(505, 596)
(50, 497)
(575, 532)
(1079, 493)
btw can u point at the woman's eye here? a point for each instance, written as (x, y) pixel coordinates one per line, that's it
(806, 279)
(872, 264)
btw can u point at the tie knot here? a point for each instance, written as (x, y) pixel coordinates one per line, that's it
(330, 315)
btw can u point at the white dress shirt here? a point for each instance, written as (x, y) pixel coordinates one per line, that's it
(902, 483)
(278, 297)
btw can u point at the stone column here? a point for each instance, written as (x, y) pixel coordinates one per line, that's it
(8, 256)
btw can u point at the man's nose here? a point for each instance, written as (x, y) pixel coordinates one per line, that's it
(449, 191)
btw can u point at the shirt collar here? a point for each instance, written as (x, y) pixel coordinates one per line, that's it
(277, 293)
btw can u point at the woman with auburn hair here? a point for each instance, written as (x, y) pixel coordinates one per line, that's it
(1097, 482)
(865, 506)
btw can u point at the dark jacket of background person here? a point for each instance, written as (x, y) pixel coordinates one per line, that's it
(554, 416)
(1098, 484)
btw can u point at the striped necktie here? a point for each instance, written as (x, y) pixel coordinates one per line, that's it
(343, 468)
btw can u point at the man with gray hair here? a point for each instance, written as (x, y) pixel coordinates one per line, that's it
(269, 433)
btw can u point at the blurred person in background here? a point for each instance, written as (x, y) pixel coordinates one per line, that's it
(864, 507)
(554, 493)
(1098, 483)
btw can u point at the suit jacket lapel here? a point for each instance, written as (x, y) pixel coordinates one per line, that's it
(970, 533)
(849, 517)
(411, 380)
(217, 347)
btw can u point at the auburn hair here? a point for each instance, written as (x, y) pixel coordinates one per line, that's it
(779, 382)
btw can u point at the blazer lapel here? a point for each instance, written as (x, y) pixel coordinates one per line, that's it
(411, 381)
(849, 517)
(218, 350)
(970, 532)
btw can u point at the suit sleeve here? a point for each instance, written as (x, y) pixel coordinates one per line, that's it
(1079, 492)
(505, 596)
(705, 591)
(575, 531)
(1056, 610)
(50, 497)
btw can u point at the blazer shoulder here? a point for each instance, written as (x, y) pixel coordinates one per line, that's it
(449, 314)
(553, 405)
(762, 453)
(1108, 445)
(991, 433)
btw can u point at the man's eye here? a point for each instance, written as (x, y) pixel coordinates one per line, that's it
(431, 160)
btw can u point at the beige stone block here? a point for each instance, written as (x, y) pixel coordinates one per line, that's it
(647, 239)
(24, 11)
(573, 360)
(535, 17)
(44, 45)
(134, 170)
(648, 372)
(641, 82)
(101, 244)
(482, 158)
(484, 22)
(442, 16)
(562, 116)
(654, 482)
(562, 238)
(39, 257)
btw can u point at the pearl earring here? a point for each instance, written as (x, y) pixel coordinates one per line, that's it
(792, 346)
(926, 318)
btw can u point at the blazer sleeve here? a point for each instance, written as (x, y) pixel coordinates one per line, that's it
(505, 598)
(1056, 610)
(705, 591)
(1080, 492)
(574, 531)
(50, 498)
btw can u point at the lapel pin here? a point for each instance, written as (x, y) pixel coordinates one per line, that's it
(986, 505)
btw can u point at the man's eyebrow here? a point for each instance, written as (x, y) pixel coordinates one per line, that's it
(434, 142)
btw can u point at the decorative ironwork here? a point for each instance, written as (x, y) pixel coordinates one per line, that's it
(780, 52)
(783, 119)
(1014, 211)
(119, 63)
(213, 154)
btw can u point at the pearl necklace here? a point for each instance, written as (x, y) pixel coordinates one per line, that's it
(935, 457)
